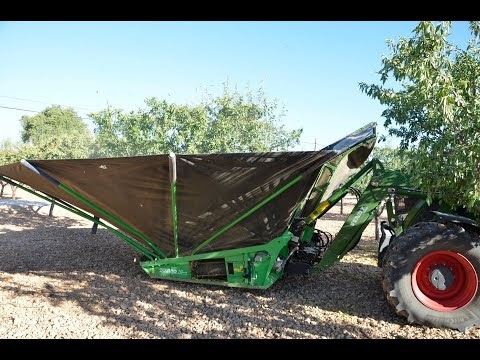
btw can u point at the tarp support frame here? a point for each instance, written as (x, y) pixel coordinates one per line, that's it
(249, 212)
(132, 243)
(173, 188)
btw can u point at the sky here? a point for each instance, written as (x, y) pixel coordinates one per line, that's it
(312, 68)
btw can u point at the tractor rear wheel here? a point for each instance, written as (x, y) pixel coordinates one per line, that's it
(431, 275)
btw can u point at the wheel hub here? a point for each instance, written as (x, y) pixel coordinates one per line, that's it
(442, 278)
(444, 281)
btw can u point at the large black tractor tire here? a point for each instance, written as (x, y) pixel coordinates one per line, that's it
(431, 274)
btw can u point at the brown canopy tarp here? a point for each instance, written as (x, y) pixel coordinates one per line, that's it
(212, 191)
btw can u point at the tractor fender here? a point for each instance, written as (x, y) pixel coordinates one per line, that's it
(388, 234)
(457, 219)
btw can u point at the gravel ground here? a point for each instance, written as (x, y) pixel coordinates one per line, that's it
(60, 281)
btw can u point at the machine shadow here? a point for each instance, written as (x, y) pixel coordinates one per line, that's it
(97, 273)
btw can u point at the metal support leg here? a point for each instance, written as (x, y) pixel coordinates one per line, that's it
(50, 213)
(95, 225)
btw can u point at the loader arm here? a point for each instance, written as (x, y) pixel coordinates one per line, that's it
(384, 185)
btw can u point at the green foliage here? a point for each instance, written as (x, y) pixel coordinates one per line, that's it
(162, 128)
(392, 158)
(9, 156)
(11, 152)
(430, 89)
(55, 133)
(249, 123)
(231, 122)
(63, 146)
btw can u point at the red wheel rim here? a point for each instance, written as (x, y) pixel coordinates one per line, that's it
(444, 281)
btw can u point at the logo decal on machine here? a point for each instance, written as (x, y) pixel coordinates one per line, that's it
(357, 216)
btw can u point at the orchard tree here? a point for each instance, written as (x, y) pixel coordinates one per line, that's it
(63, 146)
(161, 128)
(9, 156)
(55, 133)
(231, 122)
(393, 158)
(430, 88)
(246, 123)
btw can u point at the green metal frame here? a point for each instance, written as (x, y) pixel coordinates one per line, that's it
(384, 185)
(252, 267)
(112, 218)
(248, 213)
(173, 189)
(131, 242)
(244, 270)
(262, 265)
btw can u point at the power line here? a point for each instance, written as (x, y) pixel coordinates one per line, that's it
(43, 102)
(38, 112)
(12, 108)
(313, 143)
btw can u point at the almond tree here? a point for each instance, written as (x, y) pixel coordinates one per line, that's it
(54, 133)
(430, 88)
(231, 122)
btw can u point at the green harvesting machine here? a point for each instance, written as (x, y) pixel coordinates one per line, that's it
(248, 219)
